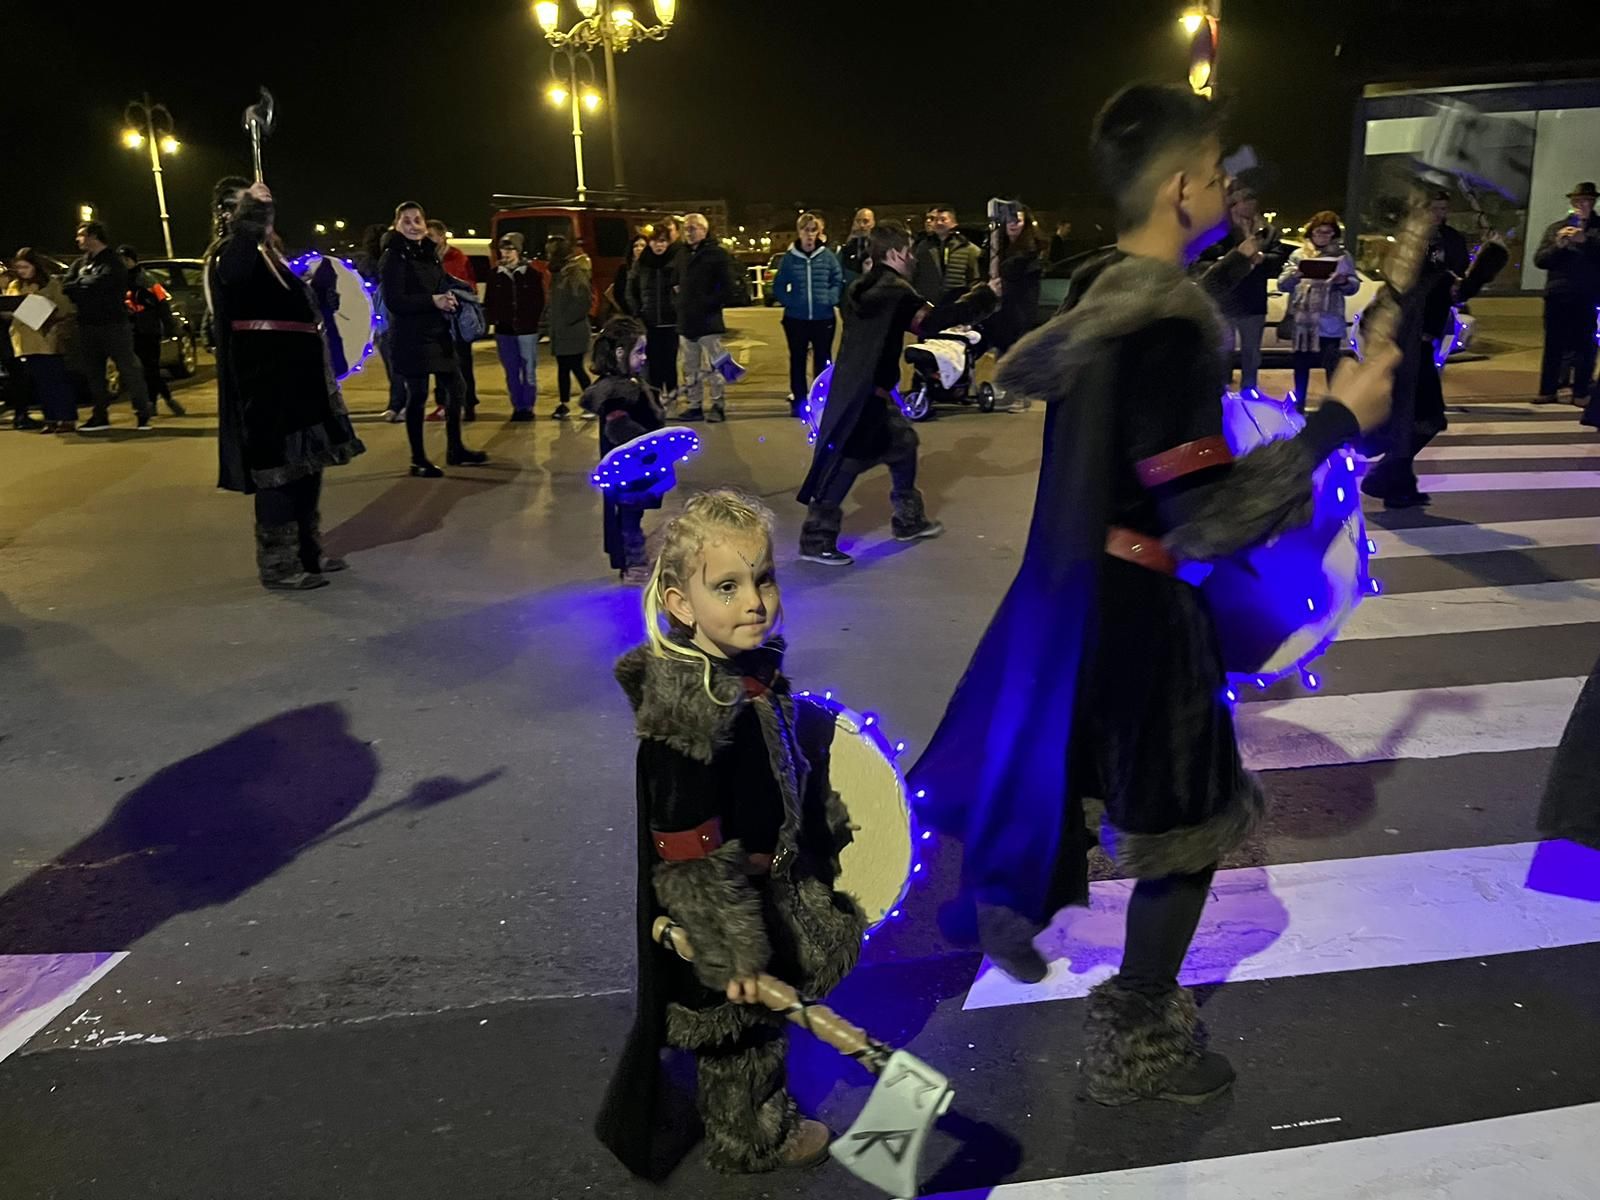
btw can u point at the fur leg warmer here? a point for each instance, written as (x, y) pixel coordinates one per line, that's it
(1133, 1042)
(714, 900)
(821, 529)
(278, 552)
(311, 544)
(748, 1114)
(909, 513)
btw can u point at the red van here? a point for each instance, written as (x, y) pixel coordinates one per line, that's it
(604, 233)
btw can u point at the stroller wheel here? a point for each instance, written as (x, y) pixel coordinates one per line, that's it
(918, 404)
(986, 397)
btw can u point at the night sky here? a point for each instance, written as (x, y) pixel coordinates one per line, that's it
(749, 100)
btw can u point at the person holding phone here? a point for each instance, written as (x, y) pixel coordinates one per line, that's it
(1236, 270)
(1569, 253)
(1317, 278)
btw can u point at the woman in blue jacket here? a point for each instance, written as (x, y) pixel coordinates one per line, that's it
(808, 284)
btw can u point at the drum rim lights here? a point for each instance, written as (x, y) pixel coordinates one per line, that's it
(306, 263)
(602, 476)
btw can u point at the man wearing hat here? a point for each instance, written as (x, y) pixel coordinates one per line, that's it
(1569, 253)
(514, 303)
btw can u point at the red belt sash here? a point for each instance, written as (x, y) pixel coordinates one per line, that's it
(1142, 549)
(274, 327)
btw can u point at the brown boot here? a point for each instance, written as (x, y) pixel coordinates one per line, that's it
(807, 1145)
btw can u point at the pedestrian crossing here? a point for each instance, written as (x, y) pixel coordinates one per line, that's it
(1447, 692)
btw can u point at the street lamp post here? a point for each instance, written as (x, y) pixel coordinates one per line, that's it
(581, 95)
(612, 26)
(157, 131)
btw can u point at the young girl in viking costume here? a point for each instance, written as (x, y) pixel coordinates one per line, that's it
(627, 408)
(739, 836)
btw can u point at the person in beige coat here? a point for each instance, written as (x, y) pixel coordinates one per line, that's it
(43, 351)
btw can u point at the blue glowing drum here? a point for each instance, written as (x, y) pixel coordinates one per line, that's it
(1278, 606)
(877, 866)
(345, 301)
(646, 466)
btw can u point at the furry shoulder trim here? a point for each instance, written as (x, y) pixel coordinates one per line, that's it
(670, 702)
(1128, 295)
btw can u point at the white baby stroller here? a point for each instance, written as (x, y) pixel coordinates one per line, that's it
(942, 368)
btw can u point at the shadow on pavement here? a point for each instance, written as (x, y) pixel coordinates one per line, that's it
(408, 510)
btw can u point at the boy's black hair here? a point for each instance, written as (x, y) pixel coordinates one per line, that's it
(619, 333)
(1140, 126)
(887, 236)
(95, 230)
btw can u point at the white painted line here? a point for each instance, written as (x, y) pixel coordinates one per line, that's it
(35, 988)
(1476, 539)
(1463, 428)
(1353, 914)
(1488, 718)
(1437, 453)
(1510, 481)
(1474, 610)
(1532, 1156)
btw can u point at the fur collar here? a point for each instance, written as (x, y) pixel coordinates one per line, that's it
(1127, 295)
(670, 703)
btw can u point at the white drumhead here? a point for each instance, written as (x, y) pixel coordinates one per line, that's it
(353, 319)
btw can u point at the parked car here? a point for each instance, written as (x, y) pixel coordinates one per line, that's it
(184, 279)
(765, 274)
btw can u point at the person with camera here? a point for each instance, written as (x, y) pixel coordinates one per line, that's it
(1236, 271)
(1569, 253)
(422, 339)
(1015, 271)
(1317, 278)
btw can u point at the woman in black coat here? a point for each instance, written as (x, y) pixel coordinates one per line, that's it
(280, 417)
(652, 298)
(416, 291)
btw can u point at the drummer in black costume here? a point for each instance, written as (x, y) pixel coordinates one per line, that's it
(1100, 674)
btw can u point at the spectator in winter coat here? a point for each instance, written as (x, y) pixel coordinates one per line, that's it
(1015, 271)
(1316, 302)
(150, 309)
(808, 285)
(567, 317)
(652, 297)
(458, 266)
(43, 351)
(1570, 253)
(705, 284)
(948, 262)
(617, 293)
(1250, 255)
(98, 285)
(853, 254)
(514, 301)
(417, 293)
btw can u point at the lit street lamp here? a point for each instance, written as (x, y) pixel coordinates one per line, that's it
(1201, 25)
(612, 25)
(156, 123)
(580, 96)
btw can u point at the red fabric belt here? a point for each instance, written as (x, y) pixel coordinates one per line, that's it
(616, 416)
(1183, 460)
(274, 327)
(689, 844)
(1140, 549)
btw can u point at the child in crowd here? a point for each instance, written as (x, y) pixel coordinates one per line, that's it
(627, 408)
(739, 836)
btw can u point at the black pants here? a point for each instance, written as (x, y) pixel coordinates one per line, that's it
(1325, 355)
(568, 367)
(1569, 329)
(447, 389)
(661, 351)
(1396, 476)
(469, 381)
(1162, 917)
(815, 336)
(97, 344)
(148, 347)
(824, 515)
(293, 504)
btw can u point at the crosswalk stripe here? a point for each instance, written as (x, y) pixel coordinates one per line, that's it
(1479, 539)
(1312, 918)
(36, 988)
(1470, 428)
(1475, 610)
(1319, 731)
(1509, 481)
(1533, 1156)
(1437, 453)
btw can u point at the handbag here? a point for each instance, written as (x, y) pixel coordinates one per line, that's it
(469, 323)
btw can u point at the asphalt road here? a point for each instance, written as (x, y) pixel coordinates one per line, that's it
(384, 828)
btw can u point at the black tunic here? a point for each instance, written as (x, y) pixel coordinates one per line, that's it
(280, 416)
(420, 340)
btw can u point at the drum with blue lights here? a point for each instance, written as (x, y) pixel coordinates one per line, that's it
(1279, 605)
(878, 865)
(351, 321)
(646, 466)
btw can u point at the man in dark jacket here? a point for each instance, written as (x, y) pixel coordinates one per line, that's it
(853, 253)
(514, 301)
(862, 427)
(98, 285)
(150, 307)
(705, 285)
(1254, 254)
(948, 262)
(1570, 254)
(652, 297)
